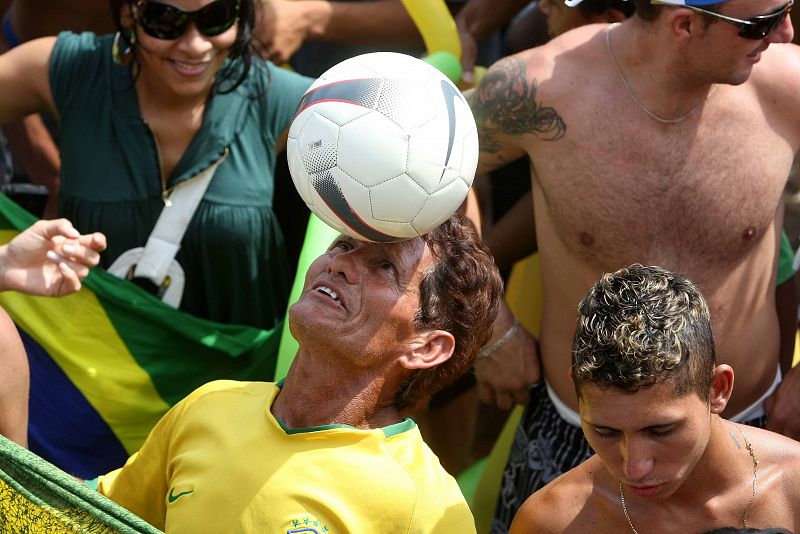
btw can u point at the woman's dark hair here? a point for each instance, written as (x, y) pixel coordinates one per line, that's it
(241, 53)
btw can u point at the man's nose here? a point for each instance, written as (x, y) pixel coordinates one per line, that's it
(638, 461)
(347, 264)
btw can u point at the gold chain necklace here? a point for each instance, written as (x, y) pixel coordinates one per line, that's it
(749, 447)
(639, 102)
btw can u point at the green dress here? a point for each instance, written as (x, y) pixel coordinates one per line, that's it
(233, 252)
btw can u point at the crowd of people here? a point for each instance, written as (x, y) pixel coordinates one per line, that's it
(654, 138)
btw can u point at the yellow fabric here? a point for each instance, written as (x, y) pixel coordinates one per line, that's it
(220, 462)
(524, 297)
(19, 514)
(96, 361)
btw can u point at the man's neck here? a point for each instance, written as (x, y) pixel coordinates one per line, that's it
(316, 395)
(655, 69)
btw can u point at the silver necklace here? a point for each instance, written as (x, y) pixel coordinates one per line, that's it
(639, 102)
(749, 447)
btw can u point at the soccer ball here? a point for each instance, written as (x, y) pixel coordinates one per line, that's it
(383, 147)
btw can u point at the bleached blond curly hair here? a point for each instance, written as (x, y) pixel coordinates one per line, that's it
(643, 325)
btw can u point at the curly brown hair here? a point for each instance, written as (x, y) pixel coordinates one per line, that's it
(643, 325)
(460, 294)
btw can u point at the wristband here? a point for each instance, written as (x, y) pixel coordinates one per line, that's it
(491, 349)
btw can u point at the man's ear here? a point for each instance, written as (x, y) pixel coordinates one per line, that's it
(721, 388)
(431, 348)
(683, 22)
(614, 15)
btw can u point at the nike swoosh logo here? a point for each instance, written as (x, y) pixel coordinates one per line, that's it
(327, 188)
(173, 498)
(450, 96)
(361, 92)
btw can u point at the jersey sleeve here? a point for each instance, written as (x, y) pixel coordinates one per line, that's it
(141, 485)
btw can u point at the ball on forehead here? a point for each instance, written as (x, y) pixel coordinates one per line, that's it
(383, 147)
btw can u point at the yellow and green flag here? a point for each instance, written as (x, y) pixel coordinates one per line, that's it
(107, 362)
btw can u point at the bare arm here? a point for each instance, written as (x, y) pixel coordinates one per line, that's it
(284, 25)
(513, 237)
(14, 383)
(509, 119)
(506, 111)
(24, 80)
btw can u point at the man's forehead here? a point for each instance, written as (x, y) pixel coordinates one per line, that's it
(661, 395)
(410, 251)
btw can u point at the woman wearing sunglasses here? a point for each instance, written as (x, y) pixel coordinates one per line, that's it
(175, 98)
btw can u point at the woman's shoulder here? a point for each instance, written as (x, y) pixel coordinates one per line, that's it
(78, 63)
(71, 43)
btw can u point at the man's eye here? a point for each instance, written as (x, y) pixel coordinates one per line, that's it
(662, 430)
(605, 432)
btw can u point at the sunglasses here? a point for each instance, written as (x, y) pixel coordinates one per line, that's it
(165, 21)
(752, 28)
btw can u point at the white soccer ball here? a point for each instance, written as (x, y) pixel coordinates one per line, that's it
(383, 147)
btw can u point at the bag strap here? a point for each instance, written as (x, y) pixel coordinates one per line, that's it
(165, 239)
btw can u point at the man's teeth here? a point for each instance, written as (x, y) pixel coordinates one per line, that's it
(330, 292)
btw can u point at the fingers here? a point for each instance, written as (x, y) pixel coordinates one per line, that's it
(468, 57)
(55, 227)
(486, 393)
(96, 241)
(83, 251)
(71, 281)
(521, 396)
(505, 401)
(80, 255)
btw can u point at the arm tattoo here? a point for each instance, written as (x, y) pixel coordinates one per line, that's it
(505, 103)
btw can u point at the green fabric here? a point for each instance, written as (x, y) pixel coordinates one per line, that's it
(233, 252)
(36, 496)
(143, 357)
(785, 260)
(470, 477)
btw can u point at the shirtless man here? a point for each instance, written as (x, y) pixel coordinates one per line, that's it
(650, 394)
(666, 139)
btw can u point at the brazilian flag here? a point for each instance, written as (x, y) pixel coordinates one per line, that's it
(35, 496)
(107, 362)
